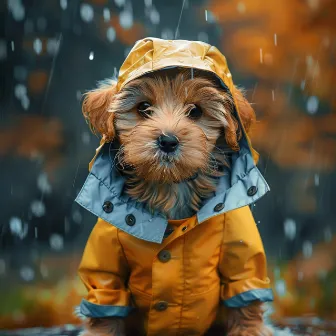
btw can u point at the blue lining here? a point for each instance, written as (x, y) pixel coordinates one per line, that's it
(244, 299)
(89, 309)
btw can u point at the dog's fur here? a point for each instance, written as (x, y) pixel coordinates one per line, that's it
(175, 184)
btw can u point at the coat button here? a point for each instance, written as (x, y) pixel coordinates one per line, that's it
(252, 191)
(108, 207)
(164, 256)
(219, 207)
(161, 305)
(130, 220)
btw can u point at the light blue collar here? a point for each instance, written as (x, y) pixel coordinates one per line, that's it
(241, 185)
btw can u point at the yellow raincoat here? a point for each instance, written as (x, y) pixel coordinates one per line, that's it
(170, 281)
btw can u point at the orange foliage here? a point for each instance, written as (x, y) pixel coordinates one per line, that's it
(37, 81)
(129, 36)
(286, 46)
(34, 137)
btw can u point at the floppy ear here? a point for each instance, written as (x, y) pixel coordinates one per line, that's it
(96, 107)
(233, 131)
(246, 111)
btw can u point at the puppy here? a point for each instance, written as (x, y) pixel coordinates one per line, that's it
(174, 134)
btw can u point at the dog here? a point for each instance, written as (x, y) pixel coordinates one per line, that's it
(172, 135)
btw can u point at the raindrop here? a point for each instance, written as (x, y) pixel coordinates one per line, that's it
(52, 46)
(126, 19)
(2, 267)
(3, 50)
(43, 183)
(37, 45)
(44, 271)
(56, 241)
(86, 138)
(78, 95)
(209, 17)
(275, 40)
(12, 45)
(27, 273)
(20, 91)
(202, 36)
(307, 249)
(154, 16)
(119, 2)
(41, 23)
(261, 55)
(280, 287)
(29, 27)
(106, 14)
(148, 3)
(111, 34)
(25, 102)
(317, 179)
(91, 56)
(66, 225)
(303, 85)
(290, 228)
(77, 217)
(18, 11)
(38, 208)
(167, 34)
(309, 61)
(313, 4)
(300, 276)
(273, 95)
(17, 228)
(86, 12)
(241, 8)
(64, 4)
(327, 234)
(312, 104)
(127, 51)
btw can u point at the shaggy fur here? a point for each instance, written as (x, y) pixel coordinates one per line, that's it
(174, 183)
(165, 182)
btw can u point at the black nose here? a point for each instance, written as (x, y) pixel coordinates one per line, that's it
(168, 143)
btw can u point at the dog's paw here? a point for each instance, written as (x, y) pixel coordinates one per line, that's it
(104, 327)
(252, 331)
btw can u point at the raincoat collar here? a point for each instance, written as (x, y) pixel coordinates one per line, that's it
(241, 185)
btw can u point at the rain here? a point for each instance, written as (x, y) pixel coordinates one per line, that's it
(53, 52)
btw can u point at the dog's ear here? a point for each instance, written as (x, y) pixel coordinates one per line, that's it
(96, 107)
(246, 112)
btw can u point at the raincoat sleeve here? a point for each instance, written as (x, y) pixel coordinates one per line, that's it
(104, 272)
(242, 266)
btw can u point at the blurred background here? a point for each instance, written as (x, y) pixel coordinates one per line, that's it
(282, 52)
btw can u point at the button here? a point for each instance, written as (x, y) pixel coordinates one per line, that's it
(130, 220)
(161, 305)
(184, 228)
(164, 256)
(252, 191)
(219, 207)
(108, 207)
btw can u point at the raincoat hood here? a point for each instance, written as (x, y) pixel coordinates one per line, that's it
(242, 184)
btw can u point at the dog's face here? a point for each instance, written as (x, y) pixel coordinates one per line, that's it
(167, 126)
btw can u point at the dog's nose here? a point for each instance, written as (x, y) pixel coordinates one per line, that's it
(168, 143)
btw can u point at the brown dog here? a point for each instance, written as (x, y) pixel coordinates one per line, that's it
(139, 114)
(174, 134)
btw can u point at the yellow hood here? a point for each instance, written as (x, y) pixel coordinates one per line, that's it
(152, 54)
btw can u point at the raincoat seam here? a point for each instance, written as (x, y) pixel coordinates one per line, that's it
(123, 252)
(184, 281)
(221, 251)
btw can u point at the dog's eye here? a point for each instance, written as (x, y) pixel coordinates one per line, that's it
(195, 113)
(142, 109)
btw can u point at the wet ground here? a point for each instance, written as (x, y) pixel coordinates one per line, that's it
(292, 327)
